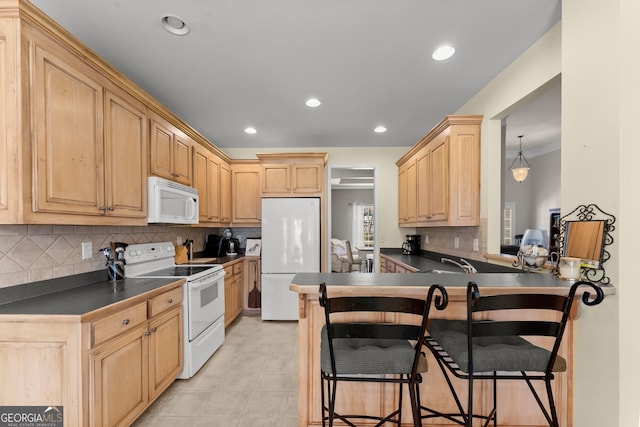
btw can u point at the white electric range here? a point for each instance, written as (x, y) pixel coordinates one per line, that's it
(203, 298)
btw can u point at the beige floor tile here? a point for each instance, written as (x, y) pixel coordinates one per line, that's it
(250, 381)
(263, 404)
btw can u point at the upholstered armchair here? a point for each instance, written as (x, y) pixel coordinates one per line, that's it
(344, 259)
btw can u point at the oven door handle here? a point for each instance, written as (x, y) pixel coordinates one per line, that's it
(205, 282)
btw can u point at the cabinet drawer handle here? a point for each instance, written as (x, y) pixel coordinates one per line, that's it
(147, 333)
(125, 321)
(154, 329)
(111, 208)
(170, 301)
(103, 208)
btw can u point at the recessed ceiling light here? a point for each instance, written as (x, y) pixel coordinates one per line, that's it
(250, 130)
(174, 25)
(313, 102)
(380, 129)
(443, 52)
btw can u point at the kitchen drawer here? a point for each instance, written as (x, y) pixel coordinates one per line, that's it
(228, 271)
(165, 301)
(237, 268)
(119, 322)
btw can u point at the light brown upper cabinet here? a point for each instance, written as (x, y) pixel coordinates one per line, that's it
(206, 179)
(439, 178)
(245, 192)
(211, 176)
(432, 196)
(225, 193)
(89, 140)
(292, 174)
(407, 193)
(9, 129)
(170, 152)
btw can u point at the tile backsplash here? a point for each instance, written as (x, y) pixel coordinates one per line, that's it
(29, 253)
(442, 239)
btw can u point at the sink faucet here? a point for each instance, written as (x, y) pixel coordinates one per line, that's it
(468, 267)
(463, 264)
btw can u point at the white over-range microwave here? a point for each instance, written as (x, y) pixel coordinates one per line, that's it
(171, 203)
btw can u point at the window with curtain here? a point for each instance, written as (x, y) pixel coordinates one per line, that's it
(362, 225)
(509, 214)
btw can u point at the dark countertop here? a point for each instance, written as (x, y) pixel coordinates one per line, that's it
(488, 276)
(502, 280)
(525, 282)
(427, 261)
(74, 295)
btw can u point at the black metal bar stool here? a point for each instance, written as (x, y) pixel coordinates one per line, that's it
(483, 349)
(386, 352)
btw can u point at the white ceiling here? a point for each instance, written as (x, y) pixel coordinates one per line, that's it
(255, 62)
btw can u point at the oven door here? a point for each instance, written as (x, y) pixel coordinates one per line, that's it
(205, 302)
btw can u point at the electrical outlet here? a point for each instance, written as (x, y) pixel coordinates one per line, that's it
(476, 245)
(87, 250)
(456, 242)
(426, 238)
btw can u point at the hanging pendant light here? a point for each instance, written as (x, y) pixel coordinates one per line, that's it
(521, 169)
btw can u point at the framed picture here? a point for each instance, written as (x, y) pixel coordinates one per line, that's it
(253, 247)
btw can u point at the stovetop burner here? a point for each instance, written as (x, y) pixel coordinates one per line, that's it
(178, 271)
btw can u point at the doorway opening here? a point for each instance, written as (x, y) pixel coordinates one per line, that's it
(352, 211)
(536, 123)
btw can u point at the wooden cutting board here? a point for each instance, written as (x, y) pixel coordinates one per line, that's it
(203, 260)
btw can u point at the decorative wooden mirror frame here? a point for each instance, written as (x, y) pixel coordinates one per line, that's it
(597, 229)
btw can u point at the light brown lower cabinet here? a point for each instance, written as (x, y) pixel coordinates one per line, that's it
(388, 265)
(104, 368)
(129, 372)
(233, 290)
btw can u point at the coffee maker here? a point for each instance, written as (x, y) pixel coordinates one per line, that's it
(412, 245)
(219, 246)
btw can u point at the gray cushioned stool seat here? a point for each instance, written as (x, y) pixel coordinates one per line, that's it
(369, 356)
(507, 353)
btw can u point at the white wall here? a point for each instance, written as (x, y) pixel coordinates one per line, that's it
(600, 88)
(628, 174)
(341, 210)
(546, 187)
(591, 142)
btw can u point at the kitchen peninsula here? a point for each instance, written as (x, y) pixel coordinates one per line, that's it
(517, 407)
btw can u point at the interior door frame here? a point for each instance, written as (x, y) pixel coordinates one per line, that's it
(329, 202)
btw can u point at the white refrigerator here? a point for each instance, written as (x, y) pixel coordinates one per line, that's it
(290, 245)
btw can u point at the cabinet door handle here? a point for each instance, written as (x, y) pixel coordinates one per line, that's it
(125, 321)
(170, 300)
(111, 208)
(147, 333)
(103, 208)
(154, 329)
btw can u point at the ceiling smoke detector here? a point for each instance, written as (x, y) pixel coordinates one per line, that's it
(174, 25)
